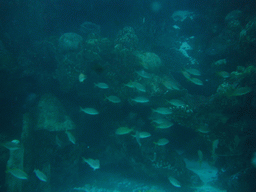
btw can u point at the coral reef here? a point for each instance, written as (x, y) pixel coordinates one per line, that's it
(51, 115)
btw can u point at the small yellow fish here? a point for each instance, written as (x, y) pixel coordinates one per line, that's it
(194, 72)
(113, 99)
(40, 175)
(171, 84)
(71, 137)
(176, 102)
(196, 81)
(101, 85)
(143, 135)
(123, 130)
(162, 142)
(174, 182)
(130, 84)
(18, 173)
(81, 77)
(139, 87)
(239, 91)
(90, 111)
(94, 163)
(140, 100)
(223, 74)
(162, 110)
(165, 125)
(200, 157)
(12, 145)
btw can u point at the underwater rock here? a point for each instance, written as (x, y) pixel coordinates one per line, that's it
(51, 115)
(70, 42)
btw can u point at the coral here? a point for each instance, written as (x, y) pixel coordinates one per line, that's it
(87, 28)
(51, 115)
(70, 42)
(148, 60)
(127, 39)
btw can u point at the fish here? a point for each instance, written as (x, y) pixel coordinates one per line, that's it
(130, 84)
(71, 137)
(176, 102)
(162, 142)
(253, 160)
(193, 71)
(159, 121)
(204, 128)
(144, 74)
(82, 77)
(18, 173)
(94, 163)
(196, 81)
(90, 111)
(176, 27)
(171, 84)
(101, 85)
(239, 91)
(58, 141)
(200, 157)
(12, 145)
(139, 87)
(162, 110)
(140, 99)
(186, 75)
(174, 182)
(40, 175)
(113, 99)
(144, 134)
(123, 130)
(223, 74)
(137, 136)
(165, 125)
